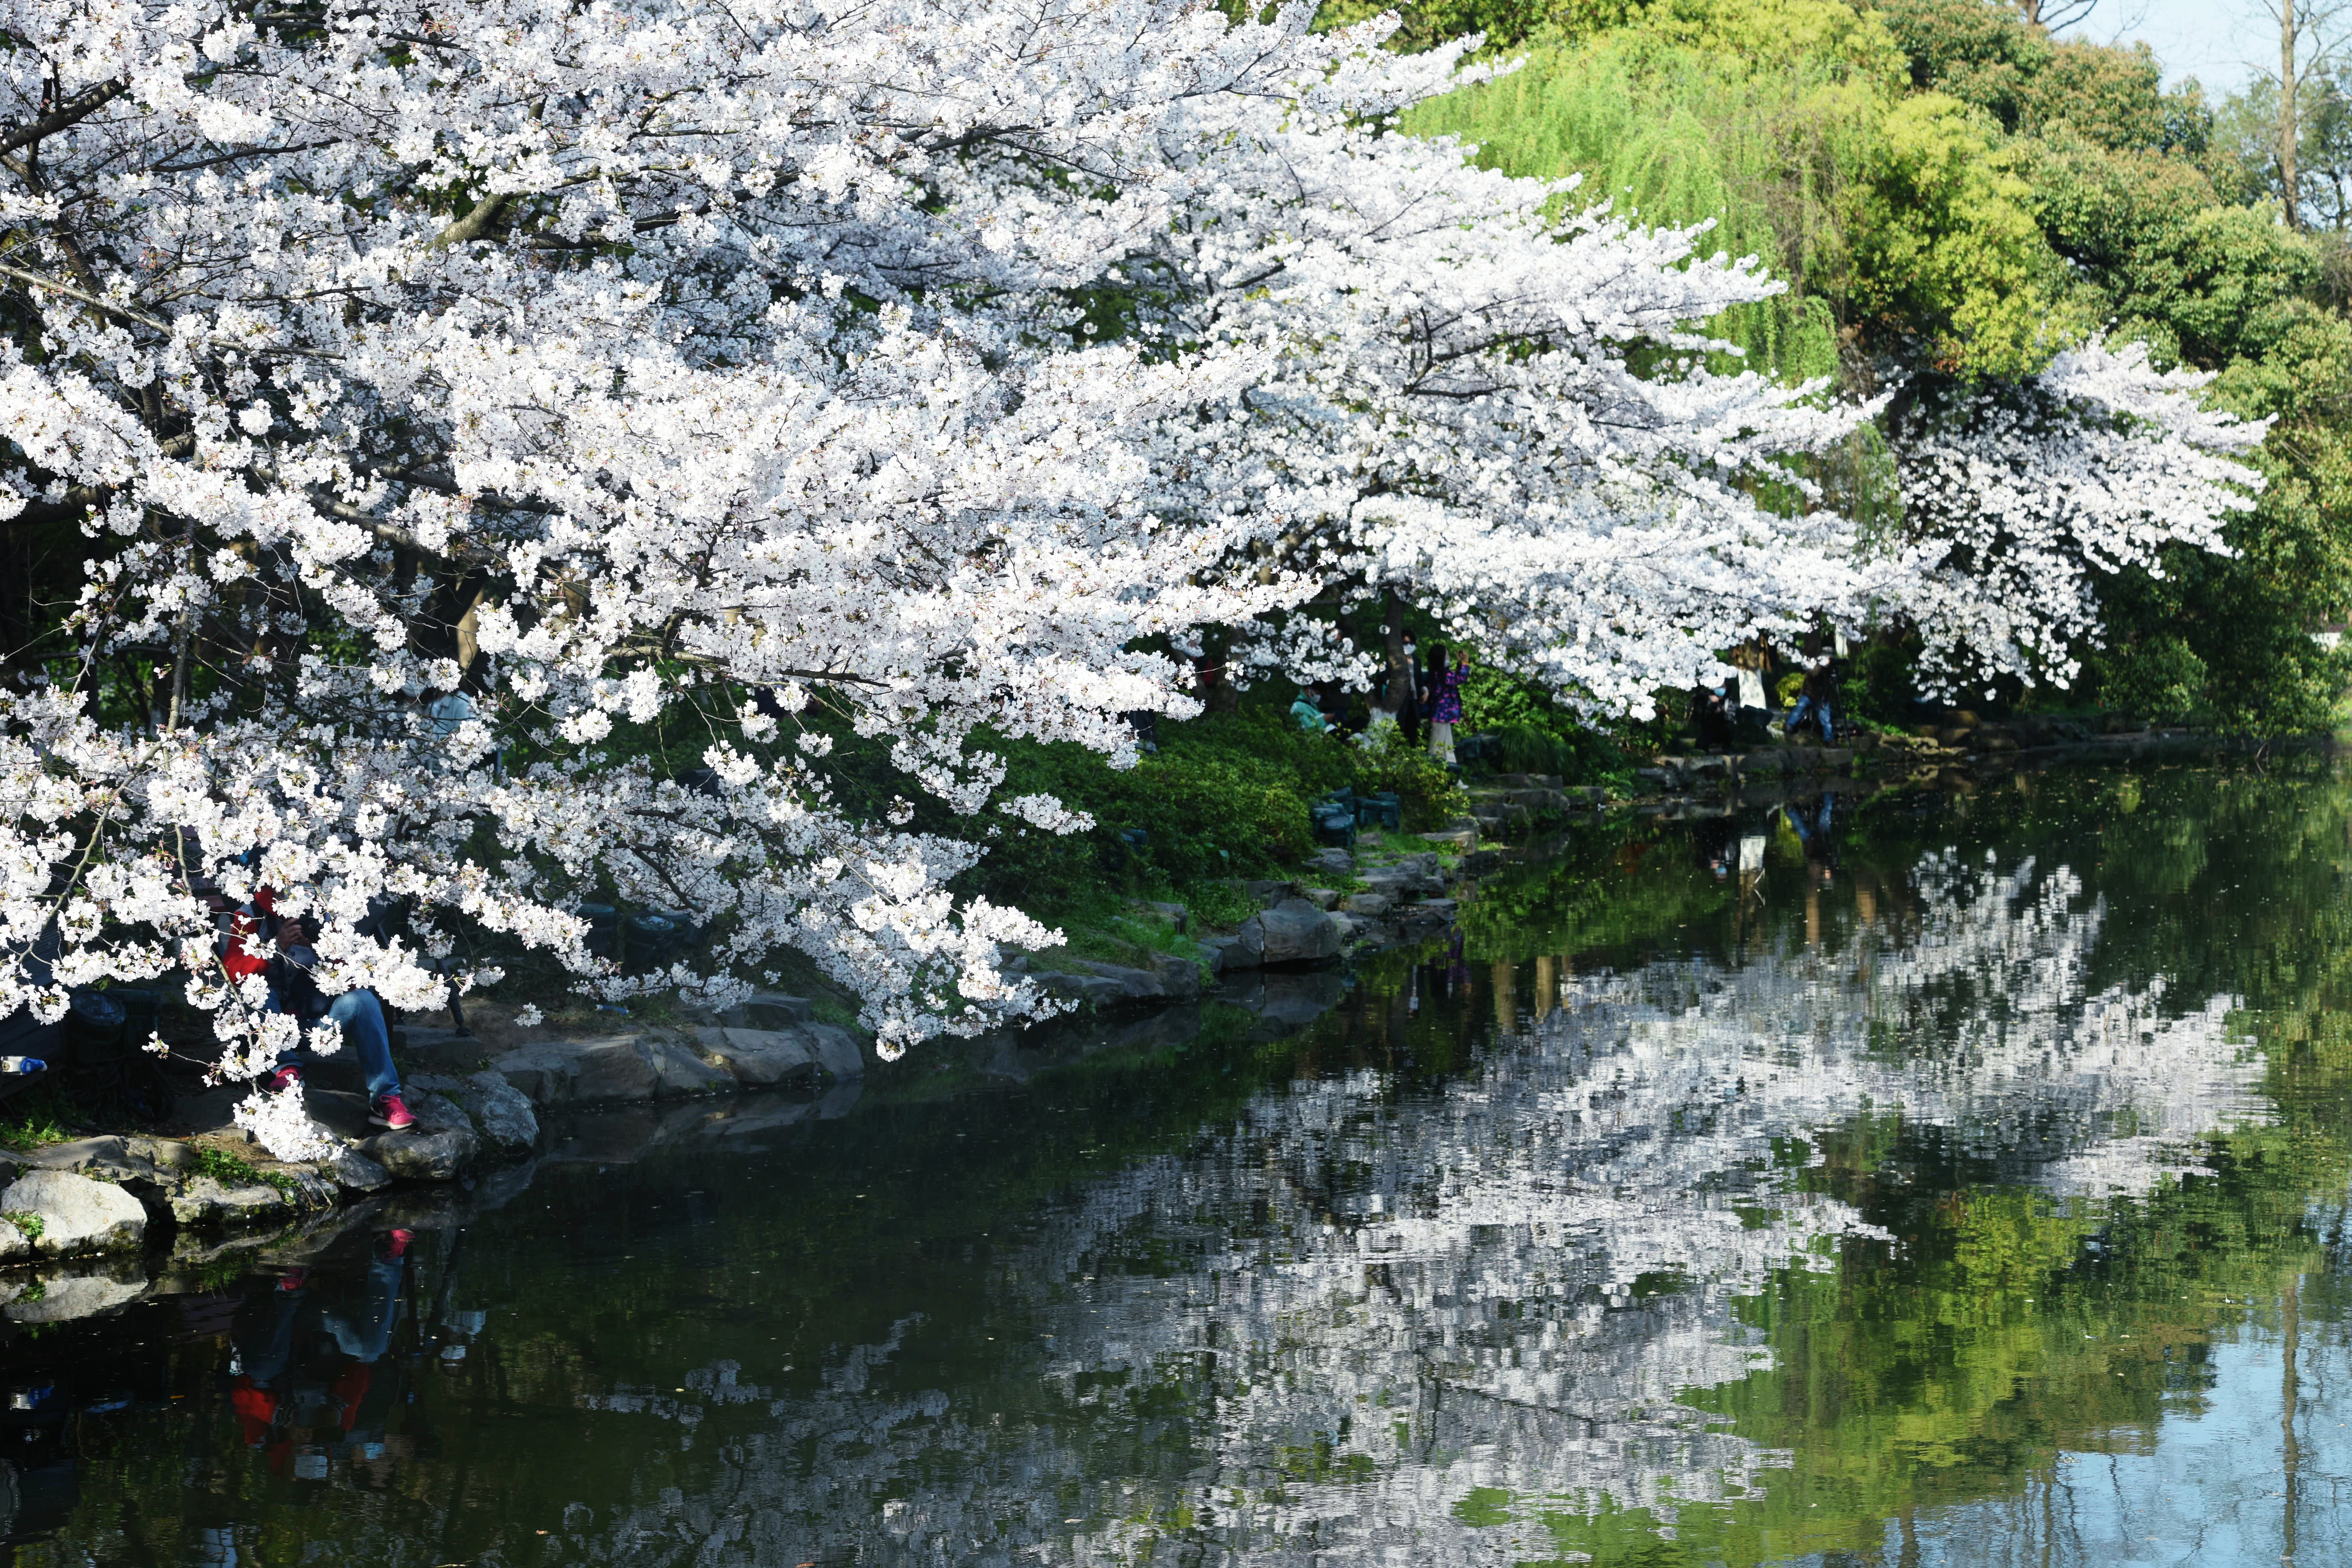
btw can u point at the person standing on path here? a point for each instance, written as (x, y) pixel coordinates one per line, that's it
(1444, 709)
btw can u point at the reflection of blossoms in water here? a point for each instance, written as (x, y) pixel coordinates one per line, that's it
(1316, 1335)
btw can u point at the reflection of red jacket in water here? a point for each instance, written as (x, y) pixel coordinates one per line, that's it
(256, 1409)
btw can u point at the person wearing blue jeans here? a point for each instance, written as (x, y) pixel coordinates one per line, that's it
(1816, 699)
(359, 1016)
(1821, 711)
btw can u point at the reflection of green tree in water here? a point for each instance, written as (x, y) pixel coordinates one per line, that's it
(2014, 1324)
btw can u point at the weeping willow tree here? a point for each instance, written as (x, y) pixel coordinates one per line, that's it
(1671, 136)
(1897, 218)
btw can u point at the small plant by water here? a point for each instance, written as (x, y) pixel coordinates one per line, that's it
(37, 1119)
(232, 1172)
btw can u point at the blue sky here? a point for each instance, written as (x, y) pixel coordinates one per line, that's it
(2217, 42)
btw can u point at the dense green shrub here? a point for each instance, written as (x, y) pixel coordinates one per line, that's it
(1224, 796)
(2158, 678)
(1387, 762)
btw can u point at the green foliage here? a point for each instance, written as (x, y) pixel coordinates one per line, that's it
(1949, 263)
(1388, 762)
(1987, 56)
(37, 1118)
(1676, 134)
(32, 1226)
(2159, 677)
(1226, 795)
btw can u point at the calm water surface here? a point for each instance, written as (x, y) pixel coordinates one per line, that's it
(1959, 1180)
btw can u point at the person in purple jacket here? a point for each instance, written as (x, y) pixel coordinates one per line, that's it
(1444, 709)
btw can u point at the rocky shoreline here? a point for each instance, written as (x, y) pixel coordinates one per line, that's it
(482, 1097)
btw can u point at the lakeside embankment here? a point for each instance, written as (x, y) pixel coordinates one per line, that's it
(198, 1190)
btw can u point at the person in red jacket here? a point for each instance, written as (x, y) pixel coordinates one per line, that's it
(294, 990)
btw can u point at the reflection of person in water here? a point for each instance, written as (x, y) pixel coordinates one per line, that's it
(1711, 841)
(1812, 825)
(303, 1368)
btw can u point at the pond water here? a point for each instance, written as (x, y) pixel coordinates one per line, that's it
(1959, 1180)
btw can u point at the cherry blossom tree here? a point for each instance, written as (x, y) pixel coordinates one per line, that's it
(765, 374)
(2017, 497)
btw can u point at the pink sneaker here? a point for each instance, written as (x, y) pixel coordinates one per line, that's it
(391, 1112)
(285, 1078)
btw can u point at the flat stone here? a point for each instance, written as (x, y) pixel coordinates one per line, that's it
(1461, 840)
(103, 1153)
(1331, 862)
(1370, 905)
(206, 1201)
(77, 1214)
(1326, 898)
(439, 1155)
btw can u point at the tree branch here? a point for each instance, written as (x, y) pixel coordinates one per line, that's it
(80, 109)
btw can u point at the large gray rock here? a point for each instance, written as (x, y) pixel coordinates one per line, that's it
(767, 1010)
(355, 1173)
(426, 1155)
(1414, 877)
(616, 1067)
(836, 1051)
(679, 1070)
(1075, 985)
(1332, 862)
(502, 1113)
(1372, 906)
(759, 1057)
(1292, 932)
(77, 1213)
(1169, 979)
